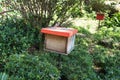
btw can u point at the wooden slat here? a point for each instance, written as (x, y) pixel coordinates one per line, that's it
(55, 43)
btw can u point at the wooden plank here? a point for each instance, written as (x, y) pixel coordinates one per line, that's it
(55, 43)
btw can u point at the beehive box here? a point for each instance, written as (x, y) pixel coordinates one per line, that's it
(59, 40)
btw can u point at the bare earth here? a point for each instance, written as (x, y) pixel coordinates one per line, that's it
(88, 24)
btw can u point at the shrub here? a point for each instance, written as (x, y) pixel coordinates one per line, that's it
(78, 65)
(2, 62)
(82, 30)
(114, 21)
(107, 60)
(3, 76)
(28, 67)
(99, 6)
(16, 35)
(108, 37)
(112, 68)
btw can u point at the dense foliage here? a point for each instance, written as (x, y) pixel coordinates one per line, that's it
(3, 76)
(114, 21)
(30, 67)
(43, 13)
(16, 36)
(78, 65)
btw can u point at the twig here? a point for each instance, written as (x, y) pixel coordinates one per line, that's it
(5, 12)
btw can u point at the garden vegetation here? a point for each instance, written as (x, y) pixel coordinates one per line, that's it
(95, 57)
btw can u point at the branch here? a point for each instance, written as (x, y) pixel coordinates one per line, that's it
(5, 12)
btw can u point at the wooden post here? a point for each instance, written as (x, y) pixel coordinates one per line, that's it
(99, 24)
(59, 61)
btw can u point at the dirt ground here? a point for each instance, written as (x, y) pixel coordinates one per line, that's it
(88, 24)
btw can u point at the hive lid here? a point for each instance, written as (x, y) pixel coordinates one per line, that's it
(60, 31)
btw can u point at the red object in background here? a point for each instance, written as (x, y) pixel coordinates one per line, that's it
(100, 16)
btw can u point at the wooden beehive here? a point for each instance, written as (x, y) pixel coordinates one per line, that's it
(59, 40)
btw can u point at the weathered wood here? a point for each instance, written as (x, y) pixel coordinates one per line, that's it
(56, 43)
(81, 35)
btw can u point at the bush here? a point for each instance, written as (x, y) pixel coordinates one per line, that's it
(113, 67)
(16, 35)
(108, 37)
(28, 67)
(99, 6)
(78, 65)
(3, 76)
(114, 21)
(82, 30)
(2, 62)
(75, 66)
(107, 60)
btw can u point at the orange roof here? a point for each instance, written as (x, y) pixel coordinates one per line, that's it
(59, 31)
